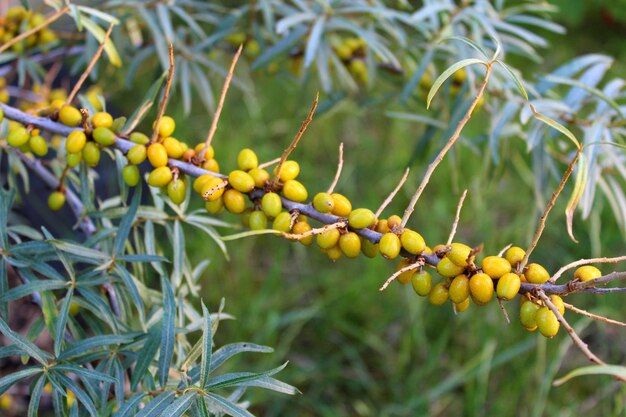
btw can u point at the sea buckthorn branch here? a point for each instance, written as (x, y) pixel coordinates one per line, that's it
(580, 262)
(457, 217)
(166, 94)
(593, 316)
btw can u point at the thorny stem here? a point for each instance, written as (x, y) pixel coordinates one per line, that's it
(433, 165)
(166, 94)
(220, 104)
(93, 61)
(295, 141)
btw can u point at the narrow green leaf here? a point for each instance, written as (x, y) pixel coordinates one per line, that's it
(178, 407)
(168, 335)
(146, 355)
(201, 408)
(515, 79)
(84, 372)
(221, 404)
(238, 378)
(100, 341)
(157, 405)
(99, 14)
(35, 396)
(62, 321)
(10, 350)
(467, 41)
(207, 347)
(579, 84)
(128, 408)
(98, 33)
(556, 125)
(613, 370)
(178, 247)
(6, 202)
(579, 187)
(273, 384)
(226, 352)
(127, 222)
(88, 255)
(132, 289)
(31, 287)
(81, 395)
(447, 73)
(28, 347)
(7, 381)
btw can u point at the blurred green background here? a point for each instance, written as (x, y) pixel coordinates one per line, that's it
(354, 351)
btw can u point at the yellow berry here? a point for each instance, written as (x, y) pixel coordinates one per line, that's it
(137, 154)
(412, 241)
(394, 221)
(177, 191)
(173, 147)
(342, 206)
(389, 245)
(350, 244)
(241, 181)
(160, 177)
(547, 323)
(459, 289)
(6, 402)
(131, 176)
(461, 307)
(104, 136)
(271, 204)
(258, 220)
(495, 266)
(514, 255)
(139, 138)
(323, 202)
(91, 154)
(282, 222)
(333, 253)
(73, 159)
(459, 253)
(234, 201)
(481, 288)
(215, 206)
(422, 283)
(446, 268)
(208, 154)
(295, 191)
(361, 218)
(328, 239)
(438, 295)
(70, 116)
(508, 286)
(300, 228)
(587, 272)
(212, 189)
(405, 277)
(102, 119)
(75, 141)
(201, 181)
(382, 226)
(157, 155)
(558, 303)
(536, 274)
(166, 126)
(56, 200)
(369, 248)
(18, 137)
(38, 145)
(74, 310)
(211, 165)
(260, 177)
(288, 171)
(247, 159)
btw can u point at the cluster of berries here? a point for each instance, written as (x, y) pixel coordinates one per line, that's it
(19, 20)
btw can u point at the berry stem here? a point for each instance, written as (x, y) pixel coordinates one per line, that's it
(338, 172)
(166, 95)
(456, 219)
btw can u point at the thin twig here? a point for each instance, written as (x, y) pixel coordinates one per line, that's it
(544, 216)
(580, 262)
(298, 236)
(457, 216)
(392, 195)
(220, 104)
(504, 249)
(269, 163)
(92, 63)
(338, 173)
(457, 132)
(295, 141)
(56, 15)
(399, 272)
(166, 94)
(506, 313)
(593, 316)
